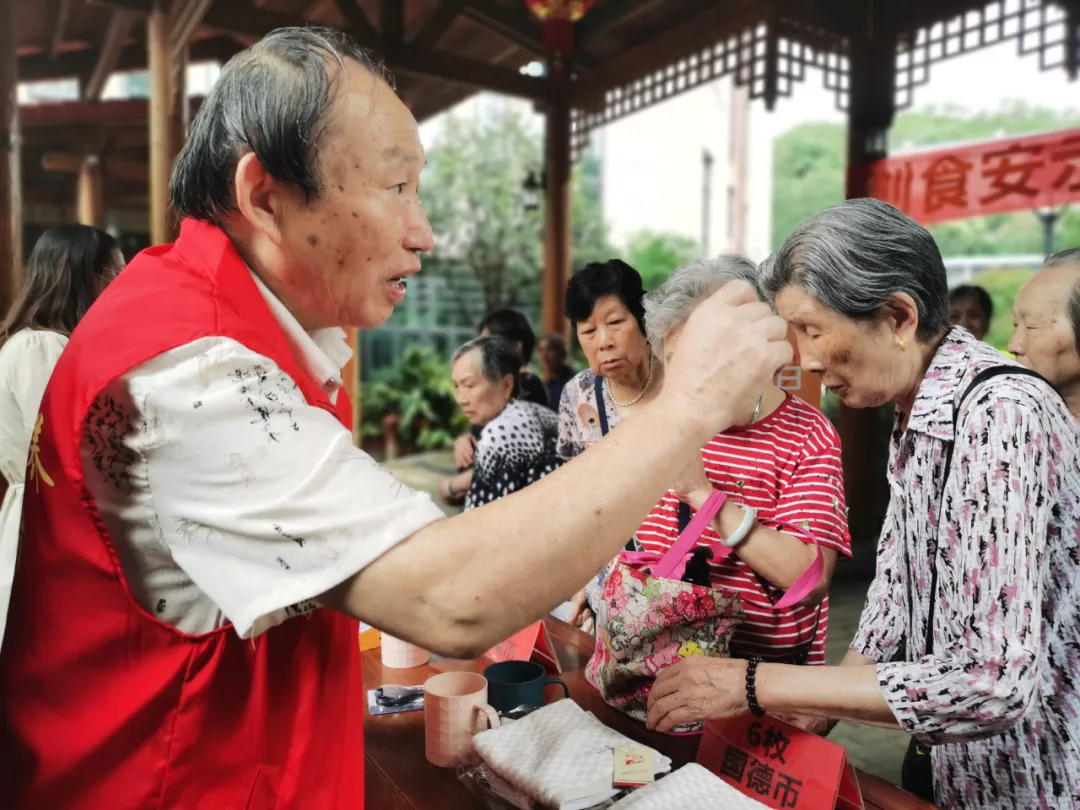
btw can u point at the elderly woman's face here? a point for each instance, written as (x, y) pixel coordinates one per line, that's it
(479, 399)
(611, 339)
(858, 361)
(966, 312)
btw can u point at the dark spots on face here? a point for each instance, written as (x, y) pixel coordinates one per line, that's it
(312, 239)
(340, 187)
(841, 357)
(355, 215)
(368, 259)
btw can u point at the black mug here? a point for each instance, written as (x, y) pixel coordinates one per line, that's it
(518, 683)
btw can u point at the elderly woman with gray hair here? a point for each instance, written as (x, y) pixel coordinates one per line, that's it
(517, 438)
(970, 640)
(779, 467)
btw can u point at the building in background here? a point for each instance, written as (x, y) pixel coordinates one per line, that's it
(698, 165)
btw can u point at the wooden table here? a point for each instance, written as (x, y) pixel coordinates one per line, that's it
(399, 777)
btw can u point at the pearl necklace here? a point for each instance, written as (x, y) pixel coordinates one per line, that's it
(635, 400)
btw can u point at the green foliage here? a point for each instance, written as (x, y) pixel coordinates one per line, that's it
(473, 196)
(419, 389)
(810, 164)
(656, 255)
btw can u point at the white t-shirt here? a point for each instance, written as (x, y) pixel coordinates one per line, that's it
(228, 497)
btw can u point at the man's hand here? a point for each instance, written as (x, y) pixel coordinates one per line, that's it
(464, 450)
(728, 352)
(698, 688)
(693, 487)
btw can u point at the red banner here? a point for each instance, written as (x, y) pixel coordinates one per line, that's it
(996, 177)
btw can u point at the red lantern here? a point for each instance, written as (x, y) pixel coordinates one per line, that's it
(572, 10)
(558, 17)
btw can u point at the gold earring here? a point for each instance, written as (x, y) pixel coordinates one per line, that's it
(903, 346)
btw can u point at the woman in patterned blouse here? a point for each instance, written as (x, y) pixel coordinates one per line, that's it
(970, 640)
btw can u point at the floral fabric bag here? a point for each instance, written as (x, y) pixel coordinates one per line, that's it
(648, 617)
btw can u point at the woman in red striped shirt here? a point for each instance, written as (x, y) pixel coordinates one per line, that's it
(782, 466)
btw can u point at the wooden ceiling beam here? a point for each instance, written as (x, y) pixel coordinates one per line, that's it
(70, 163)
(437, 24)
(702, 30)
(597, 22)
(392, 23)
(358, 23)
(73, 114)
(112, 46)
(474, 73)
(514, 24)
(184, 21)
(60, 11)
(40, 67)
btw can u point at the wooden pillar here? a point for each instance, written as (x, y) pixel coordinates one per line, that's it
(10, 187)
(159, 62)
(179, 120)
(870, 114)
(350, 377)
(89, 199)
(557, 230)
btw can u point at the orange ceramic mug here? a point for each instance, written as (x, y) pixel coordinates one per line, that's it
(455, 708)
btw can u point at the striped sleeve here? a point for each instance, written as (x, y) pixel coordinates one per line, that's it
(812, 496)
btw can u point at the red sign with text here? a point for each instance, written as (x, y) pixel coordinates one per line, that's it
(779, 765)
(531, 644)
(996, 177)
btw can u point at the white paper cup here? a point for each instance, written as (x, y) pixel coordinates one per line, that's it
(398, 654)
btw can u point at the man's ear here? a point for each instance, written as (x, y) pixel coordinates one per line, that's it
(258, 197)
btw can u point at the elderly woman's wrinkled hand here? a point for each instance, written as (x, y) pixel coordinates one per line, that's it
(729, 350)
(698, 688)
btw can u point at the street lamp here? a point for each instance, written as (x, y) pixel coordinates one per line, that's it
(1049, 217)
(533, 188)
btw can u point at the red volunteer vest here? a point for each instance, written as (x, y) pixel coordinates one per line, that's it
(103, 707)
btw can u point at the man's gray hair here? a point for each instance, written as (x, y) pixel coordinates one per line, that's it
(853, 256)
(498, 357)
(272, 99)
(668, 307)
(1070, 258)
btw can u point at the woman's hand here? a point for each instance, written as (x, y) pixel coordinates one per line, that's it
(698, 688)
(464, 450)
(581, 613)
(693, 487)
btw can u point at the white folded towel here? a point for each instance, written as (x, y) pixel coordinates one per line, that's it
(689, 788)
(560, 755)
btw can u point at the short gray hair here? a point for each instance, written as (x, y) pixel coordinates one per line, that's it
(668, 307)
(853, 256)
(272, 99)
(1070, 258)
(498, 357)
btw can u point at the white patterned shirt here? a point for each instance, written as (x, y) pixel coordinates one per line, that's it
(998, 697)
(227, 496)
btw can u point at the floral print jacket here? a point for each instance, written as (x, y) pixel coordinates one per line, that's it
(998, 698)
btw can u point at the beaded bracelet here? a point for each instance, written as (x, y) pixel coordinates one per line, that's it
(751, 688)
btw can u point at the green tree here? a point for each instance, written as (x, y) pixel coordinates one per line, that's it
(473, 196)
(656, 255)
(809, 174)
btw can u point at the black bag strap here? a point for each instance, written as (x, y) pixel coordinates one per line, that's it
(601, 408)
(979, 379)
(601, 412)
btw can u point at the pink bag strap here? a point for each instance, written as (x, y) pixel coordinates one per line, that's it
(675, 558)
(688, 539)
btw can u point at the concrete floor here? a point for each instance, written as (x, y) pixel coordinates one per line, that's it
(877, 751)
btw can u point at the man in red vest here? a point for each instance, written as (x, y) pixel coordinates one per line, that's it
(200, 533)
